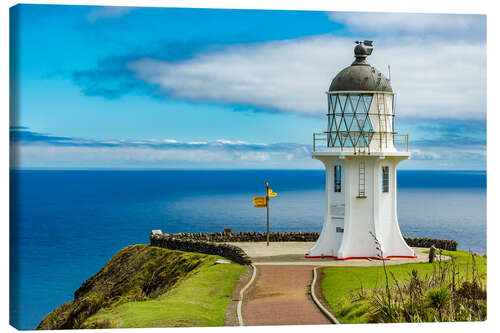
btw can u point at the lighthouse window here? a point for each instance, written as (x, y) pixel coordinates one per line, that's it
(385, 179)
(338, 176)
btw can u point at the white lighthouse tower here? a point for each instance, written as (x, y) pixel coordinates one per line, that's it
(359, 153)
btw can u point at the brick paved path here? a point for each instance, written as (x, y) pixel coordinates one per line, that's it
(281, 296)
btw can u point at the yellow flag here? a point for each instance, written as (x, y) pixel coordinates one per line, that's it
(270, 193)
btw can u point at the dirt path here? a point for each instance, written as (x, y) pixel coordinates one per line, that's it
(281, 296)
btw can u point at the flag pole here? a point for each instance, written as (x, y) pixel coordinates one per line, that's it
(267, 206)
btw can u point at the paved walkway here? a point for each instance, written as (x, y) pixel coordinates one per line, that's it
(293, 253)
(281, 296)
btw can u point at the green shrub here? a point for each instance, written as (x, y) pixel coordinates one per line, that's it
(453, 290)
(438, 298)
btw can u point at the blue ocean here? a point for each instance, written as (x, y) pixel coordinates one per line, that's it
(65, 225)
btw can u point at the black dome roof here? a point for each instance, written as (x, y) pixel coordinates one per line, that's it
(360, 76)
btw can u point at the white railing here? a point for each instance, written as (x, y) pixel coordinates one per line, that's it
(400, 141)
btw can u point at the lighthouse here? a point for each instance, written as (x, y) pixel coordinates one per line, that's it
(360, 152)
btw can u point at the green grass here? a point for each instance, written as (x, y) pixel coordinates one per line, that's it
(340, 285)
(199, 300)
(148, 286)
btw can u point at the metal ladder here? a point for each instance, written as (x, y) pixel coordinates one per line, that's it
(362, 180)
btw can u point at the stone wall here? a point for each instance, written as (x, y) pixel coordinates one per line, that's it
(221, 237)
(444, 244)
(173, 242)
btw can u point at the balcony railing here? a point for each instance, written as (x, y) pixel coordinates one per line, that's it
(320, 138)
(400, 141)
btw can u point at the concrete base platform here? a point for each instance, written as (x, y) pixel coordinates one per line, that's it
(293, 253)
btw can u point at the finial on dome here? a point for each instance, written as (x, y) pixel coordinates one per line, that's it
(361, 51)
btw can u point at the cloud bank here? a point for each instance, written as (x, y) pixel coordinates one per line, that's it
(433, 79)
(36, 150)
(31, 149)
(409, 23)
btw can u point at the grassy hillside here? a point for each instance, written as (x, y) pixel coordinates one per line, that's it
(352, 291)
(144, 286)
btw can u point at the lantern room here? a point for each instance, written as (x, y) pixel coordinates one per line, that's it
(360, 109)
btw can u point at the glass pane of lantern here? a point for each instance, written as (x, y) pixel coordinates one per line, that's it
(336, 140)
(366, 141)
(367, 125)
(348, 107)
(342, 138)
(369, 137)
(336, 122)
(355, 124)
(341, 103)
(362, 141)
(354, 138)
(348, 118)
(348, 142)
(367, 99)
(354, 101)
(332, 103)
(342, 125)
(361, 117)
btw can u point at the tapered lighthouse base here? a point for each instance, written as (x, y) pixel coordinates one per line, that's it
(361, 219)
(392, 246)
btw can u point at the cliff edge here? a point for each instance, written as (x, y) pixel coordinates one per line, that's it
(145, 276)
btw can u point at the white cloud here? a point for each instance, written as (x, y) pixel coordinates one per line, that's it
(154, 153)
(197, 142)
(229, 142)
(457, 24)
(78, 153)
(107, 12)
(418, 154)
(455, 156)
(433, 78)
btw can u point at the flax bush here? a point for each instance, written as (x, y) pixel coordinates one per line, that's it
(450, 293)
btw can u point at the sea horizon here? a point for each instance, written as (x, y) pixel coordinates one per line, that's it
(209, 169)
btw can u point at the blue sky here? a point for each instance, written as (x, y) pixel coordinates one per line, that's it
(118, 87)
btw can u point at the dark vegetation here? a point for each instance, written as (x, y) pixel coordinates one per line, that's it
(451, 292)
(438, 291)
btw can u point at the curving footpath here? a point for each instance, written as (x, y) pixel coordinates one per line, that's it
(280, 295)
(279, 291)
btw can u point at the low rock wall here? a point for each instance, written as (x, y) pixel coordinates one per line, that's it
(228, 251)
(444, 244)
(223, 237)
